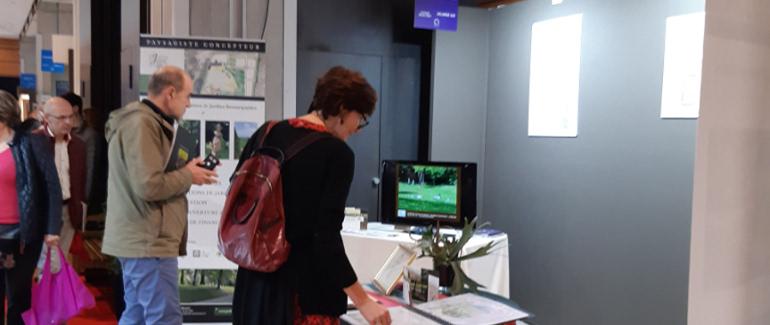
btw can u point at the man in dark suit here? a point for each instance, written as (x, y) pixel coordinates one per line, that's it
(70, 157)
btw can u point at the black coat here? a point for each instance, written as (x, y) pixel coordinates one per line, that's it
(316, 183)
(37, 187)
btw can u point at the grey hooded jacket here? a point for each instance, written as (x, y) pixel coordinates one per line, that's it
(146, 207)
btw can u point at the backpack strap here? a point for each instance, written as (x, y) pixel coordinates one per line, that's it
(304, 142)
(261, 137)
(259, 144)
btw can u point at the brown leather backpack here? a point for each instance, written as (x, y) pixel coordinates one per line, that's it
(253, 224)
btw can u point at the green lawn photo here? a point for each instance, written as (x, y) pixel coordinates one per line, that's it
(426, 198)
(240, 143)
(206, 285)
(427, 189)
(188, 294)
(243, 132)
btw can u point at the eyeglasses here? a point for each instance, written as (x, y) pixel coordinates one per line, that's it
(62, 118)
(364, 122)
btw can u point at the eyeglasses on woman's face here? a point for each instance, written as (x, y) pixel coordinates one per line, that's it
(364, 122)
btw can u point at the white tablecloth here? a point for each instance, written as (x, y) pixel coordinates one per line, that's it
(368, 251)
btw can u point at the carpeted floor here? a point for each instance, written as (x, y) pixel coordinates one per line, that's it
(102, 314)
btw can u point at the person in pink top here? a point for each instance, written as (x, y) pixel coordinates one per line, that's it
(30, 207)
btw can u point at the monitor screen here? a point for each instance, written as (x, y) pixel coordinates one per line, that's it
(421, 193)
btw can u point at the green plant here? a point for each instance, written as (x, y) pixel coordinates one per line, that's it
(445, 250)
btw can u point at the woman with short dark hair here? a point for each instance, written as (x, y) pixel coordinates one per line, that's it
(30, 206)
(313, 285)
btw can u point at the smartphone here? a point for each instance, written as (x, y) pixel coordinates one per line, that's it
(211, 162)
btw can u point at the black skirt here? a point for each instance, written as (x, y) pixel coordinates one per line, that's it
(264, 298)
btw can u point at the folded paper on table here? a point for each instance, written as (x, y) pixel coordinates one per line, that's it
(393, 269)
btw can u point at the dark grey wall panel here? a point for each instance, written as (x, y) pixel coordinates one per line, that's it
(210, 18)
(400, 99)
(344, 26)
(460, 77)
(357, 30)
(599, 225)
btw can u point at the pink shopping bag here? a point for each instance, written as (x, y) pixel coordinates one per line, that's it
(58, 297)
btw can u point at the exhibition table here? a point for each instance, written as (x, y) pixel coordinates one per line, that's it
(369, 249)
(395, 299)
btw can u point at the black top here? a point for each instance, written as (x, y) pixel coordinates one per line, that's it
(316, 183)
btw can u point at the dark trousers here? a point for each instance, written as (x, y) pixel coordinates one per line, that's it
(17, 283)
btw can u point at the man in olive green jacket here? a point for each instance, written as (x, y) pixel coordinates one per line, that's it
(146, 222)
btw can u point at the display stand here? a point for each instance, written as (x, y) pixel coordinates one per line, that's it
(403, 228)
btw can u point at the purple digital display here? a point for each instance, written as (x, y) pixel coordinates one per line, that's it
(436, 14)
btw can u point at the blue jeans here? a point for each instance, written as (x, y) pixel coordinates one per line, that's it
(151, 291)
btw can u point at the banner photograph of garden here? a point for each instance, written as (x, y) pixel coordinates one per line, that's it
(427, 189)
(206, 286)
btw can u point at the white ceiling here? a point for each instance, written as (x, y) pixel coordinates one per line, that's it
(12, 17)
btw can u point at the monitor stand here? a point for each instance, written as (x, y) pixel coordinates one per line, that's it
(397, 228)
(417, 230)
(404, 228)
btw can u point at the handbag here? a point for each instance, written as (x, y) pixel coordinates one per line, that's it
(252, 226)
(58, 297)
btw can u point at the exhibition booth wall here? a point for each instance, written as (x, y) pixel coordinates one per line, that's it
(624, 223)
(599, 224)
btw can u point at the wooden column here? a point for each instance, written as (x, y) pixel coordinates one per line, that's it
(9, 58)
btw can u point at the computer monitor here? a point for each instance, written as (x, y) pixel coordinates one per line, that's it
(421, 193)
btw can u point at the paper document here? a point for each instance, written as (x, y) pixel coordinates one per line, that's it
(398, 315)
(471, 309)
(352, 223)
(466, 309)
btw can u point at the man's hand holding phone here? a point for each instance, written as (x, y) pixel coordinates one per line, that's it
(203, 172)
